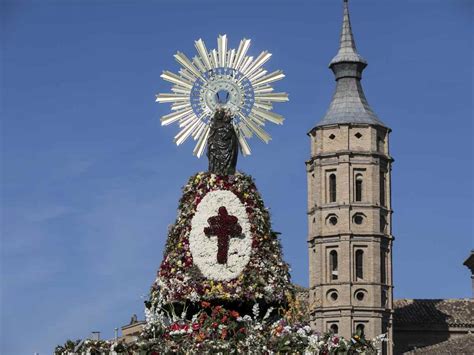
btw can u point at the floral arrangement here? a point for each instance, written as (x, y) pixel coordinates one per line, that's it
(215, 329)
(192, 310)
(88, 346)
(264, 275)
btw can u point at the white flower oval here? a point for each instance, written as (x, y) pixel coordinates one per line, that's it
(204, 248)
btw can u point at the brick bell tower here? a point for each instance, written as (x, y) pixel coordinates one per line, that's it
(349, 208)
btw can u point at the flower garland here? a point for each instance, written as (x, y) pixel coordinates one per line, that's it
(265, 276)
(217, 329)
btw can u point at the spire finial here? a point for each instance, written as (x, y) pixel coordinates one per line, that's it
(347, 48)
(348, 104)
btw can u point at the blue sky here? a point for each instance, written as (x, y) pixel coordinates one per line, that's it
(90, 180)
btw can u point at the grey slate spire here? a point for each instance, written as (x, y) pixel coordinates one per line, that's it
(348, 104)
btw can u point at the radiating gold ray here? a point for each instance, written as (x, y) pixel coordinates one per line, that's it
(222, 48)
(231, 58)
(214, 59)
(204, 55)
(258, 120)
(186, 120)
(261, 60)
(263, 105)
(258, 74)
(171, 97)
(186, 63)
(185, 73)
(176, 79)
(274, 97)
(245, 129)
(259, 132)
(199, 130)
(201, 144)
(241, 52)
(247, 61)
(244, 147)
(186, 132)
(270, 78)
(181, 90)
(263, 90)
(175, 116)
(268, 115)
(180, 105)
(198, 63)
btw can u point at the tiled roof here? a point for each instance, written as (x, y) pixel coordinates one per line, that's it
(462, 345)
(429, 312)
(348, 104)
(347, 48)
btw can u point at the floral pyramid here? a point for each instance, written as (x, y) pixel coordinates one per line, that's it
(221, 248)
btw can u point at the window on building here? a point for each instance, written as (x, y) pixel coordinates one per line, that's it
(382, 189)
(332, 188)
(384, 298)
(359, 264)
(383, 266)
(383, 224)
(380, 144)
(333, 265)
(358, 187)
(334, 329)
(360, 329)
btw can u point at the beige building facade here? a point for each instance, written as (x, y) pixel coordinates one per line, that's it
(349, 208)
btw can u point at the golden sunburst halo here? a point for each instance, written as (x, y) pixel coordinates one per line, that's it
(227, 78)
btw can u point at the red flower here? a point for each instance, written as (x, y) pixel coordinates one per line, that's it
(175, 327)
(224, 333)
(214, 325)
(224, 319)
(234, 314)
(205, 304)
(196, 326)
(335, 340)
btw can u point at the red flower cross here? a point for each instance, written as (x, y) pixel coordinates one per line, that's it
(224, 227)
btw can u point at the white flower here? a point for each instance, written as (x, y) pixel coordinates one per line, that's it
(204, 248)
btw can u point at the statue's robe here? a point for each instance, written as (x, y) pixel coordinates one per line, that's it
(222, 145)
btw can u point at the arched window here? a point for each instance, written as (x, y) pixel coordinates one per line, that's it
(383, 266)
(383, 224)
(384, 298)
(332, 188)
(333, 265)
(382, 189)
(359, 264)
(358, 187)
(334, 328)
(360, 329)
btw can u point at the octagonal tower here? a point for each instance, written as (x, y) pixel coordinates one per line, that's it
(349, 207)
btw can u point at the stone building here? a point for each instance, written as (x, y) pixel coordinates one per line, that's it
(349, 207)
